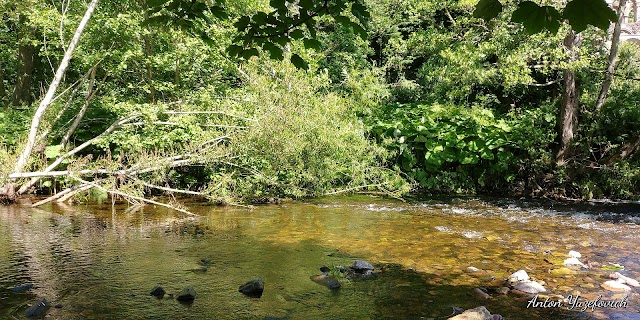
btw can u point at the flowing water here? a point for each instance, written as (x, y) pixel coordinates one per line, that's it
(101, 262)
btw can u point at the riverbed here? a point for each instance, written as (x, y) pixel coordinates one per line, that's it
(100, 261)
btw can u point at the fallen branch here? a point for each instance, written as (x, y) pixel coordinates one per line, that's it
(122, 194)
(52, 166)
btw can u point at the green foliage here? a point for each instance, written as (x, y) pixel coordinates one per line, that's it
(293, 20)
(306, 141)
(535, 18)
(447, 148)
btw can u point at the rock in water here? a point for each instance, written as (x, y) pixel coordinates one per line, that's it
(253, 288)
(612, 285)
(361, 266)
(518, 276)
(187, 295)
(479, 313)
(38, 309)
(530, 287)
(158, 292)
(326, 281)
(22, 287)
(575, 254)
(573, 262)
(480, 294)
(625, 279)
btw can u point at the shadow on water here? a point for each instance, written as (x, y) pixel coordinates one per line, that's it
(99, 264)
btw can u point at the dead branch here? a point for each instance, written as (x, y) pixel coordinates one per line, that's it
(52, 166)
(125, 195)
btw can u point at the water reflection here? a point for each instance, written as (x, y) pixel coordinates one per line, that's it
(101, 262)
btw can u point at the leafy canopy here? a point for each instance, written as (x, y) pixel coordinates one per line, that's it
(535, 18)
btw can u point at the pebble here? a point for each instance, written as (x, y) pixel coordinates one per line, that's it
(472, 269)
(575, 254)
(624, 279)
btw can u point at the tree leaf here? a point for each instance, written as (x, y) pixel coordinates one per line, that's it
(275, 52)
(296, 34)
(582, 13)
(156, 3)
(312, 44)
(247, 54)
(242, 23)
(536, 18)
(307, 4)
(360, 31)
(234, 50)
(487, 9)
(299, 62)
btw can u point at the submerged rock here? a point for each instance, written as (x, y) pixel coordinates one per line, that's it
(472, 269)
(23, 287)
(158, 292)
(38, 309)
(479, 313)
(187, 295)
(518, 276)
(327, 281)
(529, 287)
(253, 288)
(480, 294)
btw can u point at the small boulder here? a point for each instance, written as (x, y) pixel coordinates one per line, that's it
(326, 281)
(23, 287)
(253, 288)
(530, 287)
(38, 309)
(187, 295)
(158, 292)
(518, 276)
(503, 290)
(479, 313)
(361, 266)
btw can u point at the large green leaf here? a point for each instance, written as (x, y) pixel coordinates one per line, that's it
(582, 13)
(299, 62)
(536, 18)
(487, 9)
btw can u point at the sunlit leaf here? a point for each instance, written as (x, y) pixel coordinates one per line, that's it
(312, 44)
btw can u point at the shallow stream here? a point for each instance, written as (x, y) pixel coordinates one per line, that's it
(101, 262)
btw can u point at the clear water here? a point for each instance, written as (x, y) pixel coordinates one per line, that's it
(101, 262)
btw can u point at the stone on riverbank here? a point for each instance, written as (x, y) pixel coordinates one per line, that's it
(38, 309)
(480, 294)
(187, 295)
(253, 288)
(361, 266)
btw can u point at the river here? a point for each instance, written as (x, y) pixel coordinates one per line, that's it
(101, 261)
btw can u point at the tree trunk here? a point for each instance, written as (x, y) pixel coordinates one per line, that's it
(46, 101)
(568, 117)
(22, 89)
(3, 91)
(148, 54)
(613, 55)
(83, 110)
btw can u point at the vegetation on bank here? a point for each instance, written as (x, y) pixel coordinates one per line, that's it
(429, 99)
